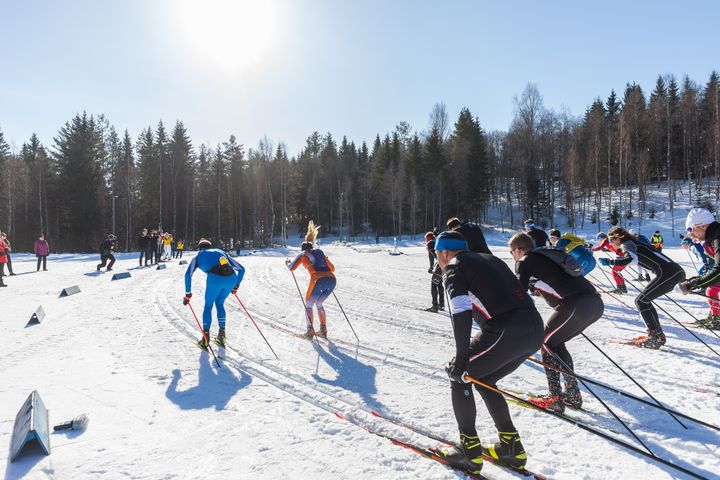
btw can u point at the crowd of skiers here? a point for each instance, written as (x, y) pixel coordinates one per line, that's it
(482, 289)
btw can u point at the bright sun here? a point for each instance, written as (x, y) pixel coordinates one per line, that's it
(232, 34)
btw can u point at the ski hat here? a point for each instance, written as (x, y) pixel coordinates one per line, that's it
(436, 231)
(600, 236)
(450, 241)
(429, 236)
(698, 216)
(555, 233)
(204, 243)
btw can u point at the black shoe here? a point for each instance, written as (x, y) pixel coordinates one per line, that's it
(98, 268)
(12, 274)
(433, 309)
(508, 451)
(647, 277)
(466, 455)
(108, 269)
(2, 285)
(441, 307)
(220, 339)
(572, 399)
(640, 279)
(203, 342)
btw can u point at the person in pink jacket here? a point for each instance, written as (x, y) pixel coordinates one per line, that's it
(42, 250)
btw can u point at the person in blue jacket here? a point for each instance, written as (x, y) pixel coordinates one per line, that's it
(224, 275)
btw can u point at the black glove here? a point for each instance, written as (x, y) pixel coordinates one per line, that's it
(187, 298)
(456, 371)
(430, 270)
(235, 289)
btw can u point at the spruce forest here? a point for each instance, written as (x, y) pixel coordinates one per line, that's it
(94, 179)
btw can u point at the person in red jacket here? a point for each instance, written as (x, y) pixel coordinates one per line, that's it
(3, 259)
(42, 250)
(606, 246)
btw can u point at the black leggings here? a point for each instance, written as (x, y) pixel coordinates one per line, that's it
(43, 259)
(660, 285)
(104, 259)
(569, 319)
(436, 289)
(501, 346)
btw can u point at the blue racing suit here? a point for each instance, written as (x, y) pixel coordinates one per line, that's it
(221, 279)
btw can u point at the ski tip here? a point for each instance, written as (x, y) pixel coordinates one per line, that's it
(339, 415)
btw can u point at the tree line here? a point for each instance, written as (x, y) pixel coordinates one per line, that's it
(94, 180)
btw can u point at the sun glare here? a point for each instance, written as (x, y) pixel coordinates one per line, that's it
(231, 34)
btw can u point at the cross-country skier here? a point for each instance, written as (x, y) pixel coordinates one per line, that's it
(701, 224)
(436, 289)
(224, 275)
(322, 279)
(539, 236)
(472, 233)
(667, 275)
(577, 306)
(604, 245)
(578, 249)
(643, 275)
(107, 247)
(482, 286)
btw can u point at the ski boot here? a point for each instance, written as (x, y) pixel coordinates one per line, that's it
(549, 402)
(441, 307)
(640, 278)
(220, 339)
(323, 331)
(432, 309)
(203, 342)
(508, 451)
(310, 333)
(572, 399)
(647, 277)
(653, 340)
(466, 455)
(1, 283)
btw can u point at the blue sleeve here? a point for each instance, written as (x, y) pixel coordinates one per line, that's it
(188, 275)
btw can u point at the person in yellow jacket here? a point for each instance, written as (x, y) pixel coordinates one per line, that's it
(179, 247)
(657, 241)
(167, 246)
(322, 279)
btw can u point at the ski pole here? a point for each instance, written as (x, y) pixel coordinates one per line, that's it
(587, 428)
(566, 367)
(626, 394)
(346, 317)
(307, 315)
(691, 259)
(630, 377)
(256, 325)
(207, 340)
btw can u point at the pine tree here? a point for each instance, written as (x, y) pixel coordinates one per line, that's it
(78, 148)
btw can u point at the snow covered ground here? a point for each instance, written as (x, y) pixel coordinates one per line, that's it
(122, 352)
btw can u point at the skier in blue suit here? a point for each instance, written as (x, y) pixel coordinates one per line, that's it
(222, 280)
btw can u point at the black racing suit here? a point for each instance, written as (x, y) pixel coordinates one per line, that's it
(539, 237)
(474, 236)
(577, 305)
(510, 330)
(106, 253)
(436, 288)
(667, 275)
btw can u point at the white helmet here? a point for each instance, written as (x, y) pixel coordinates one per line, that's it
(698, 216)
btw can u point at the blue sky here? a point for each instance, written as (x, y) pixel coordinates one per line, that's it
(284, 68)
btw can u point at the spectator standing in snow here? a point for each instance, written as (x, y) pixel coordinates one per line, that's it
(3, 258)
(472, 233)
(42, 250)
(8, 249)
(142, 243)
(657, 241)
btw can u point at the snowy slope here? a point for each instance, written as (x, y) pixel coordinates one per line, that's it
(122, 352)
